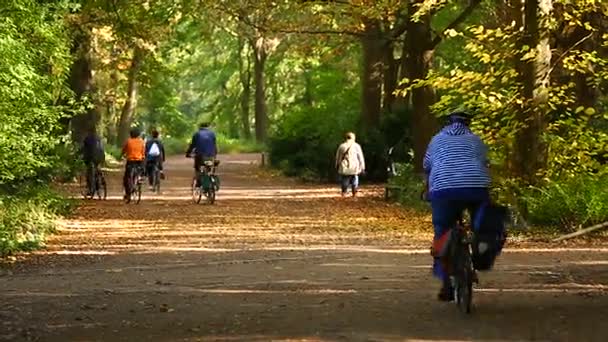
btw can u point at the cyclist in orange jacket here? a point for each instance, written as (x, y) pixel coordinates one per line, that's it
(134, 150)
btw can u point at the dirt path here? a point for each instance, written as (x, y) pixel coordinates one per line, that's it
(278, 260)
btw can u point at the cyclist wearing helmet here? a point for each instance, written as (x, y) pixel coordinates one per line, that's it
(135, 153)
(455, 164)
(203, 145)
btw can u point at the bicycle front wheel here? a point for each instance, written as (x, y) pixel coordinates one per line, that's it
(196, 192)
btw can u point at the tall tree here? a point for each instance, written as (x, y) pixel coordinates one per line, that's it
(372, 44)
(82, 83)
(535, 48)
(244, 60)
(260, 54)
(128, 108)
(417, 61)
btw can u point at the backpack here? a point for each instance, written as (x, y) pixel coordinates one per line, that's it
(154, 150)
(346, 167)
(489, 235)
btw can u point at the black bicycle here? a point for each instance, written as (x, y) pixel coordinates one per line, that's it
(96, 186)
(206, 182)
(134, 183)
(463, 273)
(155, 177)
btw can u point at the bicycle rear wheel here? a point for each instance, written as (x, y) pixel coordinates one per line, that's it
(464, 281)
(211, 195)
(156, 180)
(82, 185)
(196, 192)
(131, 183)
(137, 189)
(102, 187)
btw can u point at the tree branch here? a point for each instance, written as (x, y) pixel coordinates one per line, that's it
(565, 53)
(243, 18)
(582, 232)
(459, 19)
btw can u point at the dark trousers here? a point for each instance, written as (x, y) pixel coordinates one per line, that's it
(349, 180)
(150, 163)
(199, 161)
(131, 164)
(446, 214)
(90, 174)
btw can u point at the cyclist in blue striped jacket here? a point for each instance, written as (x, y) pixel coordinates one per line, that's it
(457, 179)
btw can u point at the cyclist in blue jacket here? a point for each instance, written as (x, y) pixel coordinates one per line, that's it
(457, 173)
(203, 145)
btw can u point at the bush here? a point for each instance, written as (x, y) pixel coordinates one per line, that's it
(27, 215)
(230, 145)
(411, 185)
(174, 146)
(305, 143)
(66, 166)
(113, 152)
(568, 203)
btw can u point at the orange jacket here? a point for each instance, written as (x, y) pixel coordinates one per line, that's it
(134, 149)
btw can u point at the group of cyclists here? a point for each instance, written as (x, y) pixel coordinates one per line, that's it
(144, 155)
(455, 164)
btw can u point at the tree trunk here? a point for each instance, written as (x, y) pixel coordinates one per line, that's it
(245, 78)
(391, 74)
(417, 61)
(373, 69)
(587, 93)
(308, 85)
(531, 151)
(126, 115)
(82, 83)
(261, 114)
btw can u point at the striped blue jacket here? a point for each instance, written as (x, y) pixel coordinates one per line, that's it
(456, 159)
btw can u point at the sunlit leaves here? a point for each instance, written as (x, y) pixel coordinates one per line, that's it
(34, 59)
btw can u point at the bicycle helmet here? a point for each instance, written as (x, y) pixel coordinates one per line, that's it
(461, 116)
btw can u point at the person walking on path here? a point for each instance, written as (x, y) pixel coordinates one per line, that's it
(350, 163)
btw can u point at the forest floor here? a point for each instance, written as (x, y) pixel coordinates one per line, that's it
(275, 259)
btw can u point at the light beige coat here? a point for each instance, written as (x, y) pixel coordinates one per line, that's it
(349, 159)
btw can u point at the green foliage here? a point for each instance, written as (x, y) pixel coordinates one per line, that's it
(34, 59)
(485, 79)
(230, 145)
(113, 152)
(27, 214)
(175, 146)
(411, 186)
(568, 203)
(304, 141)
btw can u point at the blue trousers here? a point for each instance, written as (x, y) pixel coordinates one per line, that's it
(446, 214)
(347, 181)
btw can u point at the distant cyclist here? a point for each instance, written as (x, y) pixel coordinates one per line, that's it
(135, 153)
(203, 145)
(93, 155)
(155, 155)
(457, 179)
